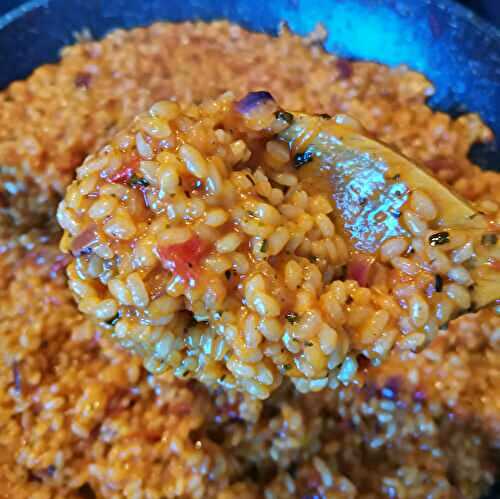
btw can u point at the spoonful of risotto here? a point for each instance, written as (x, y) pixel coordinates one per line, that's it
(239, 244)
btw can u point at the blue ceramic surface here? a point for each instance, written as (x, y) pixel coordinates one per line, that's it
(456, 50)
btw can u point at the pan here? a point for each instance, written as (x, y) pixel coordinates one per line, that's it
(456, 50)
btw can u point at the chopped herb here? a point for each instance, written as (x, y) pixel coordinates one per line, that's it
(263, 247)
(489, 239)
(302, 159)
(113, 320)
(185, 373)
(325, 116)
(251, 214)
(313, 259)
(396, 177)
(287, 367)
(228, 274)
(439, 238)
(85, 251)
(284, 116)
(249, 177)
(438, 284)
(292, 317)
(222, 378)
(308, 343)
(136, 181)
(474, 215)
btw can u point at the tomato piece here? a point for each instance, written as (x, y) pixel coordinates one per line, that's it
(124, 174)
(83, 242)
(184, 259)
(359, 268)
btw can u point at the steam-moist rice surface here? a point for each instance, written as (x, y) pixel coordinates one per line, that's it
(81, 417)
(197, 245)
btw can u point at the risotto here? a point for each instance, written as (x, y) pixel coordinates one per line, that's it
(198, 244)
(207, 289)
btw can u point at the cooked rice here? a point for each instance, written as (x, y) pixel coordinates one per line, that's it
(80, 416)
(261, 292)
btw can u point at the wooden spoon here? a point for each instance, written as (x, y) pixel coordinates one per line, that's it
(370, 183)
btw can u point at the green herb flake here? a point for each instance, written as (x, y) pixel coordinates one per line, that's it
(284, 116)
(439, 238)
(263, 246)
(113, 320)
(489, 239)
(302, 159)
(198, 184)
(287, 367)
(438, 283)
(250, 178)
(136, 181)
(308, 343)
(292, 317)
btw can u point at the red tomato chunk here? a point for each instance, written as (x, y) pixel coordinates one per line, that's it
(184, 259)
(124, 174)
(359, 269)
